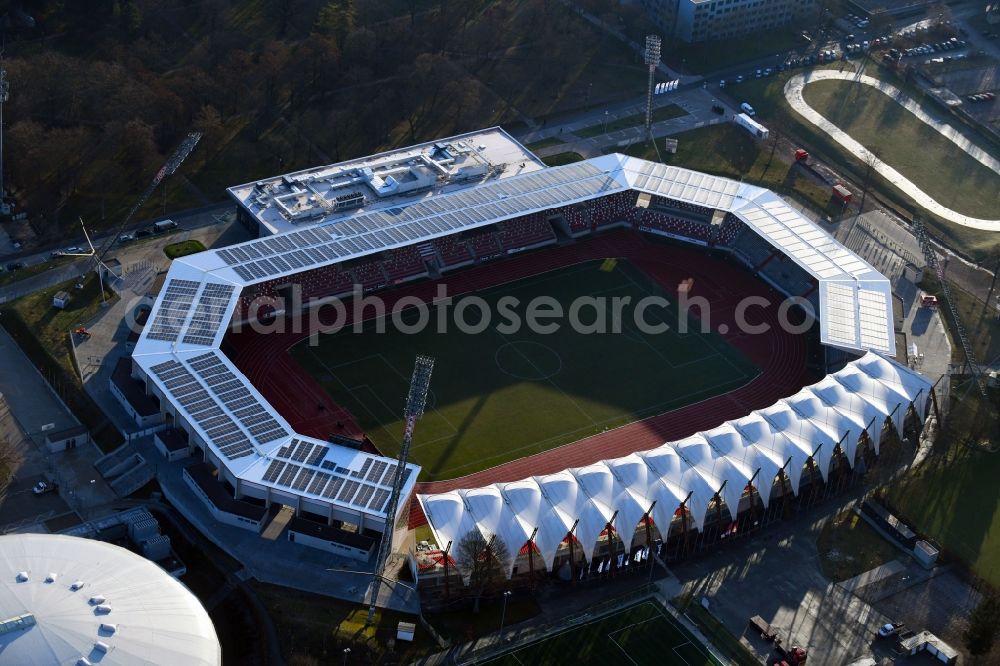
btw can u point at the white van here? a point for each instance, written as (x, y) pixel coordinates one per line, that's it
(747, 109)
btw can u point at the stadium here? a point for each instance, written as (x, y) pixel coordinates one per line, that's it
(570, 448)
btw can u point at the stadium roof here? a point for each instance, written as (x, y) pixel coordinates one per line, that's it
(178, 349)
(690, 471)
(394, 178)
(48, 614)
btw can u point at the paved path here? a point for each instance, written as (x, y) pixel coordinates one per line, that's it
(793, 93)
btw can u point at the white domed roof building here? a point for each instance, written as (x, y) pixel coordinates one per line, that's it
(67, 600)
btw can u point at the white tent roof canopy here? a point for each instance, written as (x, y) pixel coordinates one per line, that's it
(690, 471)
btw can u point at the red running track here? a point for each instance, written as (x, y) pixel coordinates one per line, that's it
(780, 355)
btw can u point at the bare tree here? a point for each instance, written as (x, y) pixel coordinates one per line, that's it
(482, 562)
(10, 458)
(872, 159)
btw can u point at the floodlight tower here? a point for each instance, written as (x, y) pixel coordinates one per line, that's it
(4, 94)
(652, 58)
(416, 399)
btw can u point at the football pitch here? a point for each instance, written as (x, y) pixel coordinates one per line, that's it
(502, 394)
(639, 635)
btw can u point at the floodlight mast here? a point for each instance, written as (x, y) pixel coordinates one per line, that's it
(4, 95)
(416, 399)
(652, 57)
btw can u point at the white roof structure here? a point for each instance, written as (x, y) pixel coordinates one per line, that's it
(397, 177)
(690, 471)
(179, 349)
(67, 600)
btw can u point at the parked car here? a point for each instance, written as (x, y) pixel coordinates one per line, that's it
(43, 487)
(15, 266)
(124, 238)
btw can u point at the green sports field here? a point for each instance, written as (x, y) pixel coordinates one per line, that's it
(642, 635)
(499, 395)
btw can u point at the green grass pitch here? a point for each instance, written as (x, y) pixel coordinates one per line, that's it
(640, 635)
(499, 396)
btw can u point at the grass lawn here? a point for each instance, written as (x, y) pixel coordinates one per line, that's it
(768, 99)
(545, 143)
(42, 332)
(952, 497)
(183, 248)
(560, 159)
(52, 326)
(707, 57)
(728, 150)
(936, 165)
(848, 546)
(640, 635)
(499, 396)
(635, 120)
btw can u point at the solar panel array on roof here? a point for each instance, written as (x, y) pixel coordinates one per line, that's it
(691, 186)
(267, 258)
(208, 313)
(241, 402)
(174, 307)
(201, 406)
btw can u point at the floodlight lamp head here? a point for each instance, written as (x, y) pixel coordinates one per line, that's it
(652, 52)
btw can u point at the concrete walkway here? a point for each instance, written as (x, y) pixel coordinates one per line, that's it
(793, 93)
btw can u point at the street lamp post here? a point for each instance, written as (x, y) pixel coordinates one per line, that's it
(503, 613)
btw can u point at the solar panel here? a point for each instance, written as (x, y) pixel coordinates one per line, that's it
(364, 495)
(378, 499)
(333, 487)
(213, 304)
(390, 474)
(301, 451)
(317, 454)
(303, 479)
(173, 309)
(364, 468)
(376, 471)
(348, 491)
(286, 477)
(319, 481)
(273, 470)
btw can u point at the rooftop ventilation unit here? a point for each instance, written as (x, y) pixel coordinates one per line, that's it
(103, 609)
(97, 599)
(22, 576)
(101, 646)
(108, 628)
(51, 578)
(77, 584)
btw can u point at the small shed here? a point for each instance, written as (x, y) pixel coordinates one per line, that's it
(405, 631)
(61, 299)
(69, 438)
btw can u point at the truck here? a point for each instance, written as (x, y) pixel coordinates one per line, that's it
(164, 225)
(751, 125)
(890, 629)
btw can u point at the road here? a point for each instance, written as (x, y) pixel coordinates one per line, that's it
(187, 220)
